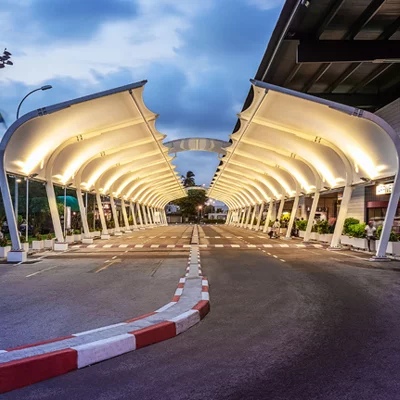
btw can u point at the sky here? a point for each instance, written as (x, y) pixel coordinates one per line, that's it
(197, 55)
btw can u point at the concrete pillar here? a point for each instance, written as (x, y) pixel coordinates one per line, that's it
(165, 217)
(135, 227)
(149, 217)
(146, 222)
(311, 217)
(269, 215)
(82, 210)
(252, 218)
(292, 216)
(248, 218)
(104, 230)
(139, 214)
(241, 217)
(257, 228)
(348, 190)
(280, 210)
(125, 216)
(55, 217)
(245, 211)
(228, 217)
(117, 230)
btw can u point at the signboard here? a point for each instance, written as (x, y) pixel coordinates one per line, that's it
(384, 189)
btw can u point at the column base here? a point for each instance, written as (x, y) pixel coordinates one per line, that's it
(336, 248)
(373, 258)
(128, 231)
(286, 238)
(105, 236)
(87, 240)
(18, 256)
(117, 233)
(60, 246)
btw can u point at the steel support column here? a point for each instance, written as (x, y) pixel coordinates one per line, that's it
(125, 216)
(269, 214)
(114, 214)
(257, 228)
(311, 217)
(104, 230)
(252, 218)
(292, 217)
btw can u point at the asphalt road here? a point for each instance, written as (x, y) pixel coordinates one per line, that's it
(285, 323)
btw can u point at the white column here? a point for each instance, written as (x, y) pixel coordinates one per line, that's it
(153, 215)
(228, 217)
(243, 217)
(311, 217)
(82, 210)
(389, 218)
(252, 218)
(133, 215)
(344, 205)
(139, 214)
(292, 217)
(144, 215)
(269, 214)
(117, 230)
(55, 217)
(246, 226)
(280, 210)
(104, 231)
(260, 216)
(165, 217)
(151, 222)
(125, 216)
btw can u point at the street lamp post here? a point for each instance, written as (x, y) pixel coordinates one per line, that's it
(27, 206)
(45, 87)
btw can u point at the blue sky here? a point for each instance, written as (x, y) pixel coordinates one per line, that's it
(197, 55)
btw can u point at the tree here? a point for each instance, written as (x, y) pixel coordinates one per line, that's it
(189, 205)
(188, 180)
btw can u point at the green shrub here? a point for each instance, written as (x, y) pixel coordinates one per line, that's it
(322, 227)
(347, 224)
(77, 232)
(3, 242)
(301, 225)
(49, 236)
(357, 230)
(392, 238)
(38, 236)
(22, 239)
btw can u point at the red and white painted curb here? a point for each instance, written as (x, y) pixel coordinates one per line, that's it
(25, 365)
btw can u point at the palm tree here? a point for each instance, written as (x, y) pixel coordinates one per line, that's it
(188, 180)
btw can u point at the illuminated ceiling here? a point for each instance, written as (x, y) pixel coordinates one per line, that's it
(105, 142)
(290, 143)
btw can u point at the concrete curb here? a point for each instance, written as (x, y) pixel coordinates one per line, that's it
(25, 365)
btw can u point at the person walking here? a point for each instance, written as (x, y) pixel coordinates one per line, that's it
(370, 233)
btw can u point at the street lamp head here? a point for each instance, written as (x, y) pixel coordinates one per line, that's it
(46, 87)
(18, 180)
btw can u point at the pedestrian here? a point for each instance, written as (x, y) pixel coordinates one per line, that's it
(370, 233)
(275, 230)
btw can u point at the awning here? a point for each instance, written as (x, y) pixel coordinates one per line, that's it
(289, 142)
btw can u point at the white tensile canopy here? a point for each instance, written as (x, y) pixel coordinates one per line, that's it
(105, 143)
(291, 144)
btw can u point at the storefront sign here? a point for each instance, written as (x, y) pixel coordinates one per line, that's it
(384, 189)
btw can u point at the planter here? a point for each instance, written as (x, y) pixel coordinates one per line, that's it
(111, 231)
(325, 237)
(4, 251)
(37, 244)
(48, 243)
(77, 237)
(25, 246)
(392, 248)
(60, 246)
(314, 236)
(358, 243)
(97, 233)
(69, 239)
(302, 234)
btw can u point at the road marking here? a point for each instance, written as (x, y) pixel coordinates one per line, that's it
(154, 245)
(138, 246)
(170, 245)
(269, 254)
(267, 245)
(162, 237)
(122, 246)
(235, 245)
(275, 256)
(282, 260)
(42, 270)
(284, 245)
(218, 245)
(106, 266)
(114, 258)
(106, 246)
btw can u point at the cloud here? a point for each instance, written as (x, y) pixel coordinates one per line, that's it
(198, 56)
